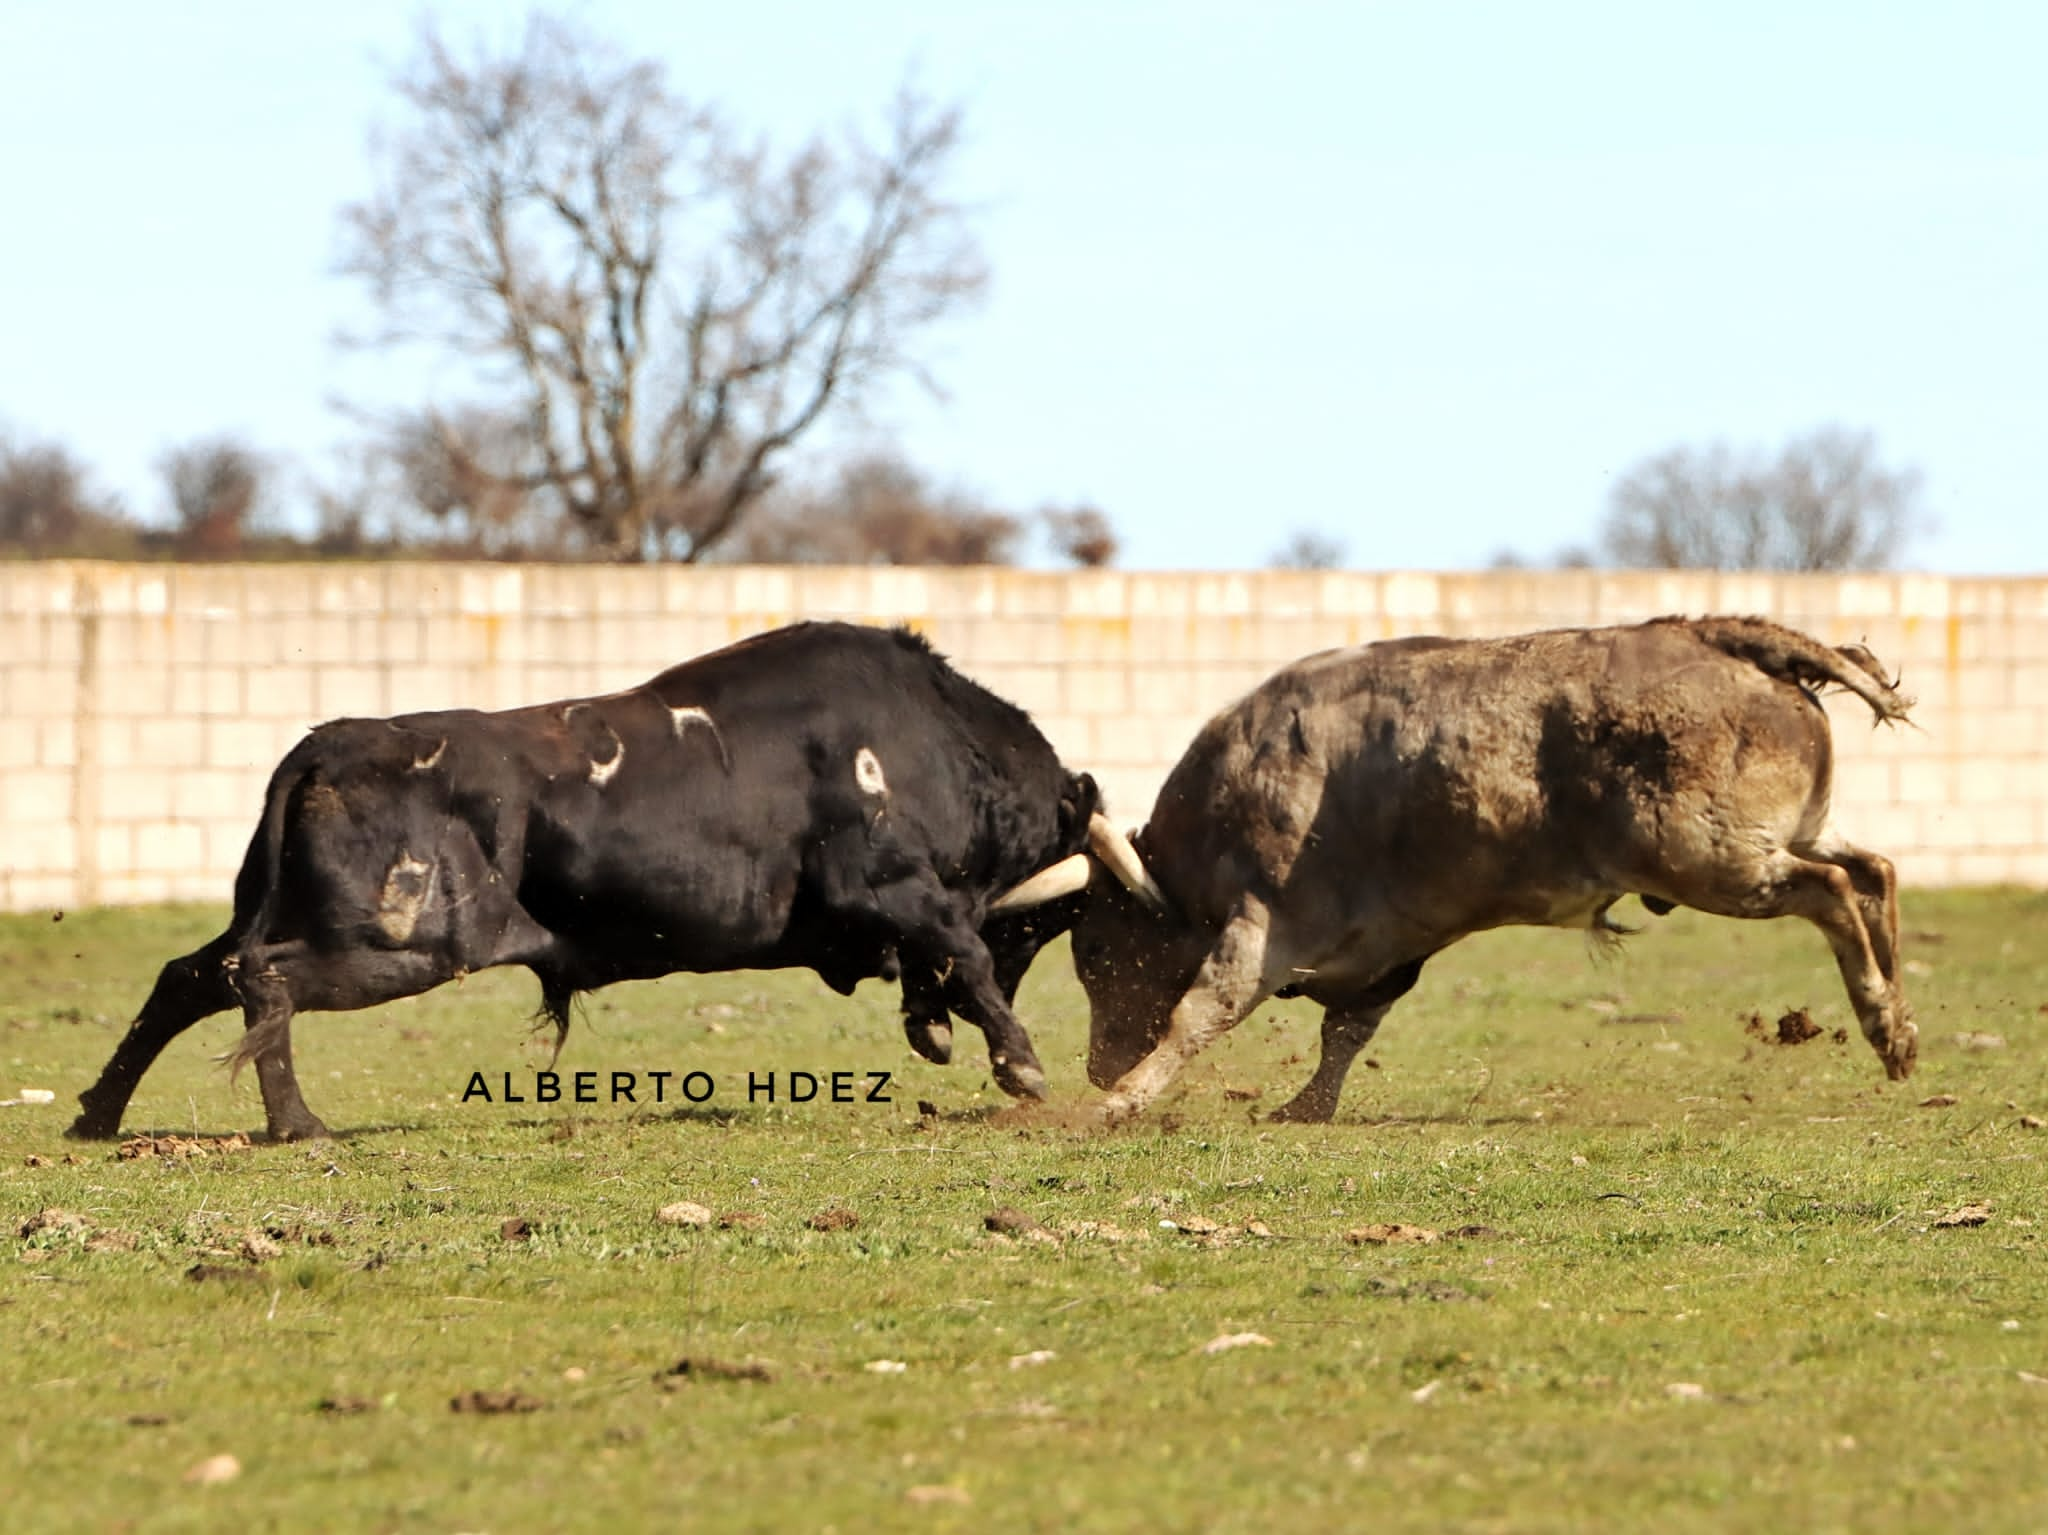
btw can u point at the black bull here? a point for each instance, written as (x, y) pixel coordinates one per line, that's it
(824, 796)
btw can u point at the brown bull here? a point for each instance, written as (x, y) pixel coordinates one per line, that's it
(1364, 808)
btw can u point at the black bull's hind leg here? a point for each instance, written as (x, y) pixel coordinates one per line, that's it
(192, 987)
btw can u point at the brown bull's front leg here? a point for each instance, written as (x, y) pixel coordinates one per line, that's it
(1229, 984)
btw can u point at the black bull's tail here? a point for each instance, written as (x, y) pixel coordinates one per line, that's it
(259, 888)
(1800, 658)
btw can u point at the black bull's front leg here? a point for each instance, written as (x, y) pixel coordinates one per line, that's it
(932, 993)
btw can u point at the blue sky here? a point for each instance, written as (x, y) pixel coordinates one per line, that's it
(1424, 278)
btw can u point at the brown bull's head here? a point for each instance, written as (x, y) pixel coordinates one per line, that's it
(1133, 951)
(1135, 964)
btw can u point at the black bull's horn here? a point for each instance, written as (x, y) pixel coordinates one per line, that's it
(1072, 874)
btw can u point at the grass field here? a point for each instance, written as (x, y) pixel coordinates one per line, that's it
(1686, 1279)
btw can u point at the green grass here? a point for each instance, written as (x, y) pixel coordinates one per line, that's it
(1669, 1203)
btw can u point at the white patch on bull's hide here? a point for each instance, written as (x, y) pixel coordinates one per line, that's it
(403, 897)
(689, 715)
(867, 772)
(601, 773)
(421, 764)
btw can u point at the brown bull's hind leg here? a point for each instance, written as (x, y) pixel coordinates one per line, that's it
(187, 989)
(1344, 1035)
(1348, 1027)
(1825, 895)
(1229, 984)
(1877, 896)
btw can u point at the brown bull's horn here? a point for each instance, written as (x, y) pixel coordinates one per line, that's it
(1048, 884)
(1122, 860)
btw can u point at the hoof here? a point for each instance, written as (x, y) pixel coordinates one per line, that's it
(931, 1039)
(1020, 1079)
(1114, 1109)
(1298, 1114)
(308, 1129)
(92, 1127)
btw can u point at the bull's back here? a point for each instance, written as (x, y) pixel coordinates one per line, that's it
(1482, 773)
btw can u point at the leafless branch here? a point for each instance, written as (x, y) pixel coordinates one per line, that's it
(671, 313)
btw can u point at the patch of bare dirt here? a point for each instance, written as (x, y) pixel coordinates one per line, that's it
(54, 1220)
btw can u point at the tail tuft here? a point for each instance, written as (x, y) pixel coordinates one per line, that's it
(1799, 658)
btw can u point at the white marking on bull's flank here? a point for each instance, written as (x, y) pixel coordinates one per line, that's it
(421, 764)
(867, 772)
(689, 715)
(601, 773)
(403, 897)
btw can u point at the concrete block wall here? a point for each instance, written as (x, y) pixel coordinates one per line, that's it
(142, 707)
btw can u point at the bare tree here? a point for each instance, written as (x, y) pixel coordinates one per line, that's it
(1307, 549)
(217, 487)
(1823, 503)
(878, 510)
(1081, 534)
(47, 504)
(670, 309)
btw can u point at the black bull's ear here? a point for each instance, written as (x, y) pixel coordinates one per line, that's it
(1079, 801)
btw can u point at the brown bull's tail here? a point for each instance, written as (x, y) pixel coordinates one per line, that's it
(1800, 658)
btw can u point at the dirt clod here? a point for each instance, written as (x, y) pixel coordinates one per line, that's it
(1940, 1101)
(516, 1228)
(1964, 1215)
(177, 1148)
(492, 1402)
(691, 1368)
(1011, 1222)
(1387, 1233)
(741, 1220)
(1797, 1027)
(204, 1273)
(214, 1470)
(836, 1218)
(344, 1406)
